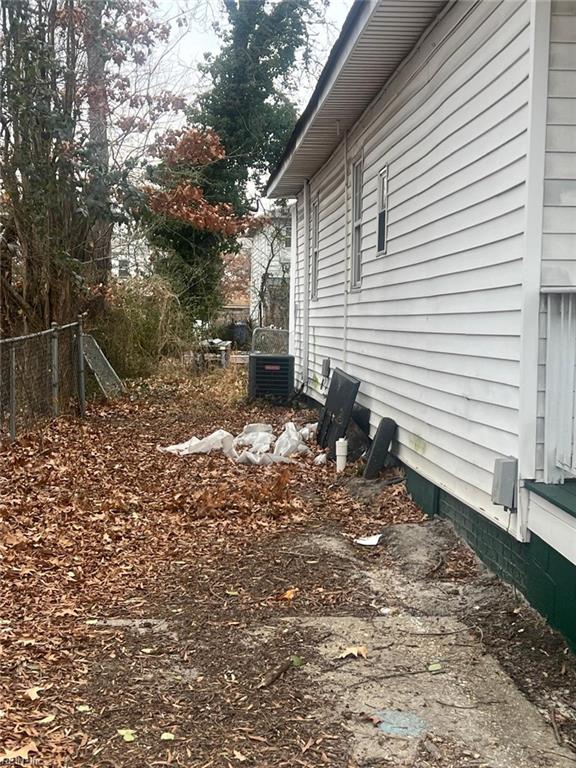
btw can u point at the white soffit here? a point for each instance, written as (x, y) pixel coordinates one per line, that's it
(377, 36)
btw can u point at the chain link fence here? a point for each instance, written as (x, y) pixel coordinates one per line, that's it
(41, 376)
(270, 341)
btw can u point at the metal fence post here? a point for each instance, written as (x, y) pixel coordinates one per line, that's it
(81, 377)
(54, 373)
(12, 392)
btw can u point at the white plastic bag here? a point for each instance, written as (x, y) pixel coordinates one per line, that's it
(220, 440)
(261, 459)
(308, 431)
(289, 441)
(258, 437)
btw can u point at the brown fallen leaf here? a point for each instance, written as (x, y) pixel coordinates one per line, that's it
(354, 650)
(290, 594)
(13, 755)
(46, 720)
(239, 756)
(32, 693)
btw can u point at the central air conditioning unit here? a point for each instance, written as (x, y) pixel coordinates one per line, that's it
(271, 375)
(271, 368)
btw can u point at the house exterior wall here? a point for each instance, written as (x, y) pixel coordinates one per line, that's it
(326, 322)
(559, 214)
(297, 291)
(434, 330)
(559, 230)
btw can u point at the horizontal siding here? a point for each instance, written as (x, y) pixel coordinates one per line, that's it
(559, 220)
(297, 296)
(434, 331)
(541, 403)
(327, 310)
(559, 238)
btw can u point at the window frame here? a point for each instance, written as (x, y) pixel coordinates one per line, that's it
(287, 234)
(356, 216)
(315, 246)
(383, 192)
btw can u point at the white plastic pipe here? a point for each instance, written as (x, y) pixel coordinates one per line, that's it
(341, 454)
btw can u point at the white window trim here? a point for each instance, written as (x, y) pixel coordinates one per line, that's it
(560, 425)
(382, 207)
(315, 249)
(356, 216)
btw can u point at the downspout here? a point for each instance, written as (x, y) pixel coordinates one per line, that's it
(346, 256)
(306, 297)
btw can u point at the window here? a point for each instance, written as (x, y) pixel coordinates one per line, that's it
(287, 234)
(356, 224)
(383, 210)
(315, 248)
(560, 401)
(123, 269)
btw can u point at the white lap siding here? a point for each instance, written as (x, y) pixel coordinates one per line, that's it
(559, 215)
(297, 297)
(434, 330)
(327, 310)
(559, 225)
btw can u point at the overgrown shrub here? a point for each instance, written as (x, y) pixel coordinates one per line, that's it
(143, 323)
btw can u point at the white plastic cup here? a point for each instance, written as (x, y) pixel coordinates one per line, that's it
(341, 454)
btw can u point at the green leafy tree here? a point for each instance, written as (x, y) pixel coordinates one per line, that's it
(252, 77)
(190, 231)
(248, 106)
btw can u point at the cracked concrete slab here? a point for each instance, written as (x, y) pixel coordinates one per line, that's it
(423, 663)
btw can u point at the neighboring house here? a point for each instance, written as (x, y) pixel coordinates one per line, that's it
(435, 259)
(270, 248)
(235, 286)
(131, 253)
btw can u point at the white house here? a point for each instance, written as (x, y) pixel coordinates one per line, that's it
(434, 171)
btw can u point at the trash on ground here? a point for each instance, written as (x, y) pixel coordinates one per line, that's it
(337, 411)
(106, 377)
(341, 454)
(394, 723)
(309, 431)
(355, 651)
(220, 440)
(259, 438)
(369, 541)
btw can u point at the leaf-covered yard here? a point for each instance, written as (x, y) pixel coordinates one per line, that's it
(159, 610)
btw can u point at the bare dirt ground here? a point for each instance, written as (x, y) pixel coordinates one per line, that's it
(165, 611)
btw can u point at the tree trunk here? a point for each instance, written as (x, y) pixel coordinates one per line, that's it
(99, 242)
